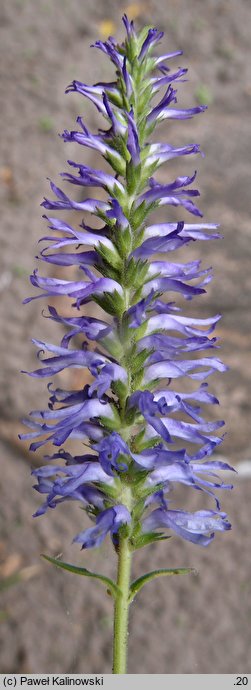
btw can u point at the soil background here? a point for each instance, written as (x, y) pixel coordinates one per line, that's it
(51, 622)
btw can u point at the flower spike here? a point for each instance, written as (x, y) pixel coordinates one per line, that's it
(134, 419)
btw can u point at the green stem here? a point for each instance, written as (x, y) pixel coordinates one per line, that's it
(121, 608)
(122, 598)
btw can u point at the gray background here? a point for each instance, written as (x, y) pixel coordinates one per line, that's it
(49, 620)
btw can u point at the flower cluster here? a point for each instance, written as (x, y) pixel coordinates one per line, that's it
(127, 417)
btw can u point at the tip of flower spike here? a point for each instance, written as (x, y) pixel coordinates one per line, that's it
(129, 25)
(153, 37)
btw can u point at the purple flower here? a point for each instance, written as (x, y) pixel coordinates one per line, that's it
(109, 48)
(75, 476)
(117, 127)
(91, 205)
(133, 140)
(143, 431)
(129, 26)
(153, 37)
(167, 79)
(116, 214)
(196, 527)
(109, 520)
(110, 448)
(92, 328)
(173, 194)
(81, 290)
(127, 79)
(92, 141)
(188, 231)
(88, 177)
(160, 153)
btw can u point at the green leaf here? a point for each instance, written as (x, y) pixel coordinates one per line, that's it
(111, 586)
(120, 389)
(139, 508)
(139, 360)
(110, 492)
(132, 176)
(130, 416)
(138, 215)
(142, 445)
(111, 257)
(137, 379)
(111, 424)
(131, 47)
(138, 584)
(135, 273)
(139, 332)
(147, 171)
(107, 271)
(112, 303)
(123, 242)
(121, 147)
(118, 164)
(108, 221)
(146, 539)
(142, 268)
(115, 98)
(112, 346)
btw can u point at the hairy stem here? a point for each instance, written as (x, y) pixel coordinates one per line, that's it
(121, 608)
(122, 601)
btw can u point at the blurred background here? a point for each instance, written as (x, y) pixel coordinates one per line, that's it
(51, 621)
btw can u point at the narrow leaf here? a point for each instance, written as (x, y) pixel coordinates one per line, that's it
(112, 587)
(141, 581)
(146, 539)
